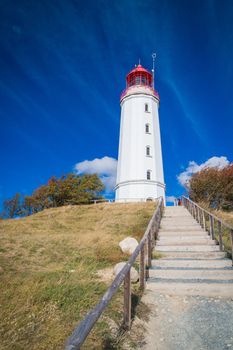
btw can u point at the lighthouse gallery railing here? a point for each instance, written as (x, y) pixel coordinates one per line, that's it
(144, 249)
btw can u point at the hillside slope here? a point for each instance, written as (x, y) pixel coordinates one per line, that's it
(48, 271)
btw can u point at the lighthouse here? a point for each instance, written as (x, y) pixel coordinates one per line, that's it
(140, 165)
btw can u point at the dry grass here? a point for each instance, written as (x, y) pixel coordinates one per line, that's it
(49, 266)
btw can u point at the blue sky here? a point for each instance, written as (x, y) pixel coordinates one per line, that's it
(62, 68)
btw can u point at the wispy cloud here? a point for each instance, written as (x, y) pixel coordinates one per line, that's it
(193, 167)
(105, 167)
(185, 107)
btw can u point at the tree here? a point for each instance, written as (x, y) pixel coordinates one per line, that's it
(68, 189)
(12, 206)
(213, 186)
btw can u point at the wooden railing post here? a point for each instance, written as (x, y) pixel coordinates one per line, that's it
(149, 249)
(232, 246)
(199, 215)
(220, 235)
(211, 226)
(203, 220)
(142, 268)
(194, 211)
(153, 232)
(127, 302)
(146, 258)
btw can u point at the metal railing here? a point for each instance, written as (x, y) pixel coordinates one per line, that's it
(153, 91)
(216, 225)
(144, 249)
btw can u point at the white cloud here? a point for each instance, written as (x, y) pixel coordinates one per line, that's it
(170, 199)
(193, 167)
(105, 167)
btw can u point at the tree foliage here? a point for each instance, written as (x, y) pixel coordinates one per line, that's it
(68, 189)
(12, 206)
(213, 186)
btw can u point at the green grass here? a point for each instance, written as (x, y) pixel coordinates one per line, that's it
(48, 273)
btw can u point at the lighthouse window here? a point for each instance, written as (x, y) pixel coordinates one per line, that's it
(148, 150)
(137, 80)
(148, 175)
(146, 107)
(143, 80)
(147, 127)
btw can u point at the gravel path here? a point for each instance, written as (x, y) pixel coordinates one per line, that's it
(188, 323)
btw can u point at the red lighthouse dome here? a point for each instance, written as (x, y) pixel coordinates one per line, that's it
(139, 78)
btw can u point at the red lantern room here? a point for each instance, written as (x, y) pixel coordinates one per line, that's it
(139, 78)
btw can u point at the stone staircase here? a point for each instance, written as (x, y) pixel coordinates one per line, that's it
(190, 263)
(190, 289)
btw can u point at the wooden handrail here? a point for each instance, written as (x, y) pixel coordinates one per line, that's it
(199, 214)
(209, 213)
(82, 330)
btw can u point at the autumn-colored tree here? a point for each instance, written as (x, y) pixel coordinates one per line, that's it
(12, 206)
(227, 188)
(68, 189)
(213, 186)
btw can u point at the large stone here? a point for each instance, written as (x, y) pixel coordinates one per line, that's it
(128, 245)
(133, 272)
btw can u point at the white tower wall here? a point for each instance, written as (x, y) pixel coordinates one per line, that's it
(133, 162)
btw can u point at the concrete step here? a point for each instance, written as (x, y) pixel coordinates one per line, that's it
(176, 209)
(185, 248)
(225, 290)
(195, 275)
(179, 228)
(192, 263)
(177, 213)
(178, 239)
(192, 255)
(181, 224)
(183, 218)
(186, 243)
(163, 233)
(172, 217)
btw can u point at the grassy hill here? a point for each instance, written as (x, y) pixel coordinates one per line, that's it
(49, 265)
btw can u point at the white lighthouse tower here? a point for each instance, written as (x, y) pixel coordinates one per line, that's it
(140, 164)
